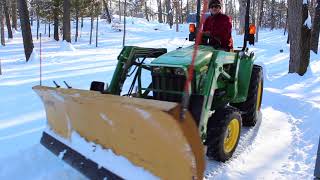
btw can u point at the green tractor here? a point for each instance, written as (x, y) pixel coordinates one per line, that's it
(138, 115)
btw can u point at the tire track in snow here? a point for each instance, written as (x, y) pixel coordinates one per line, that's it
(261, 152)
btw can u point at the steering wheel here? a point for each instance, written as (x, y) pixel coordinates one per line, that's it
(208, 39)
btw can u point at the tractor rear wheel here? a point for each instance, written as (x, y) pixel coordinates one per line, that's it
(251, 107)
(223, 133)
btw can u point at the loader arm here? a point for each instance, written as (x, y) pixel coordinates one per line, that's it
(126, 59)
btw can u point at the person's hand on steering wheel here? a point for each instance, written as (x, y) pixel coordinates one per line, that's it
(208, 39)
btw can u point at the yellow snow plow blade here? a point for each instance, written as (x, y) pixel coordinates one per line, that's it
(146, 132)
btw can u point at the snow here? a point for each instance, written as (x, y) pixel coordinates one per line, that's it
(282, 145)
(104, 157)
(307, 22)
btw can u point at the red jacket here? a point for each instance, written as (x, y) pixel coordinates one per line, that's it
(220, 27)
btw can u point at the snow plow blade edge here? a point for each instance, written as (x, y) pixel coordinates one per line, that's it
(84, 165)
(147, 132)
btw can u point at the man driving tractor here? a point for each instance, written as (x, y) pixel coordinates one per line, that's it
(218, 27)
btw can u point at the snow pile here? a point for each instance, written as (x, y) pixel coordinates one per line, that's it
(34, 57)
(66, 46)
(104, 157)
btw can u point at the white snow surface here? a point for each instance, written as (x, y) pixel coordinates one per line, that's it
(282, 145)
(308, 22)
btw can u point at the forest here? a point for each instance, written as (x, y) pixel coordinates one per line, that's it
(56, 15)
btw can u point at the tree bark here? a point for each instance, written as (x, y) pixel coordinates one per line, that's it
(253, 13)
(77, 20)
(56, 20)
(25, 28)
(159, 11)
(6, 12)
(146, 10)
(97, 30)
(299, 36)
(176, 7)
(260, 4)
(14, 14)
(38, 25)
(272, 18)
(38, 18)
(315, 29)
(66, 21)
(169, 13)
(92, 19)
(107, 11)
(124, 23)
(119, 10)
(242, 15)
(3, 42)
(81, 21)
(187, 10)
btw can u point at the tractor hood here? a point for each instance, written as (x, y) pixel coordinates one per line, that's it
(183, 57)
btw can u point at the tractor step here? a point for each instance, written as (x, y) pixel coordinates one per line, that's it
(87, 167)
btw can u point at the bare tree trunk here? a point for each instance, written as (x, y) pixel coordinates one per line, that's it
(286, 25)
(159, 11)
(261, 13)
(146, 10)
(315, 29)
(253, 14)
(97, 30)
(66, 21)
(31, 11)
(169, 13)
(38, 20)
(14, 14)
(38, 24)
(176, 6)
(119, 10)
(3, 42)
(273, 21)
(187, 10)
(25, 28)
(107, 11)
(299, 36)
(91, 20)
(6, 12)
(91, 28)
(56, 20)
(124, 23)
(180, 12)
(242, 15)
(77, 20)
(260, 4)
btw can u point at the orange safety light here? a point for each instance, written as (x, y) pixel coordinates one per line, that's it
(192, 28)
(252, 29)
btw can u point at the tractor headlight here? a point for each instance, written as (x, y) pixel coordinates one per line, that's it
(179, 72)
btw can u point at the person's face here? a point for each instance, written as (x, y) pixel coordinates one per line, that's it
(215, 9)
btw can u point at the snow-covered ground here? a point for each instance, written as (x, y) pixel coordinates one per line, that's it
(282, 146)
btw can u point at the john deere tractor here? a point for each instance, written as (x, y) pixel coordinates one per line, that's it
(141, 114)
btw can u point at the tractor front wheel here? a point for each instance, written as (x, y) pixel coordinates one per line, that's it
(223, 133)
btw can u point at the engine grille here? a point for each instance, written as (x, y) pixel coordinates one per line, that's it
(168, 82)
